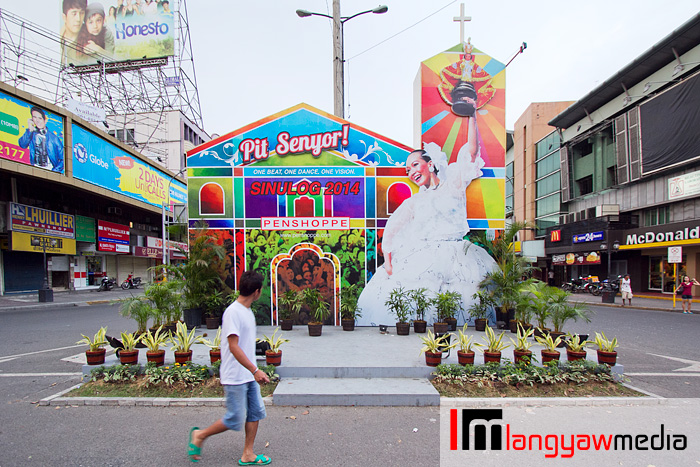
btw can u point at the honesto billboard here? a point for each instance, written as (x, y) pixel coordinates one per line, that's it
(115, 30)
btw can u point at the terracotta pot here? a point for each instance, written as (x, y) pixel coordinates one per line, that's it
(451, 323)
(348, 324)
(315, 329)
(522, 356)
(433, 358)
(183, 357)
(129, 357)
(214, 356)
(213, 322)
(286, 324)
(273, 358)
(492, 357)
(419, 326)
(548, 355)
(96, 357)
(608, 358)
(440, 328)
(157, 357)
(480, 324)
(465, 358)
(403, 329)
(571, 355)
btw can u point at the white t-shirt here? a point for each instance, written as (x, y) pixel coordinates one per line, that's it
(240, 321)
(626, 285)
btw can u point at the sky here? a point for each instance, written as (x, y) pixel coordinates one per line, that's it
(257, 58)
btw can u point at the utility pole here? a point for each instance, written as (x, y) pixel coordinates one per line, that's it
(338, 63)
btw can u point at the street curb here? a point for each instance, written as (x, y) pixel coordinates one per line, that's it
(551, 401)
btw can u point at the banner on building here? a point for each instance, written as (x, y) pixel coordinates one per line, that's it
(115, 31)
(85, 229)
(576, 259)
(29, 219)
(30, 134)
(101, 163)
(38, 243)
(111, 237)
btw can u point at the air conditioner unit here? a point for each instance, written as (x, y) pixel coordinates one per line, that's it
(114, 210)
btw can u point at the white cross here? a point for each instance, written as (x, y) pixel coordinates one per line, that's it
(461, 19)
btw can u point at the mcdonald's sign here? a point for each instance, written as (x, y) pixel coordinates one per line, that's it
(555, 236)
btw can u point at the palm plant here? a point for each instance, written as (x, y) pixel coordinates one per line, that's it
(538, 296)
(421, 302)
(349, 295)
(140, 309)
(562, 310)
(480, 307)
(291, 303)
(165, 300)
(320, 309)
(447, 305)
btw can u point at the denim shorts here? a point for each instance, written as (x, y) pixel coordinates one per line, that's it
(243, 404)
(686, 297)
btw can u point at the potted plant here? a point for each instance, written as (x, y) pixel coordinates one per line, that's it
(214, 309)
(273, 355)
(550, 344)
(320, 310)
(214, 347)
(421, 304)
(494, 346)
(129, 354)
(96, 352)
(290, 303)
(398, 304)
(606, 349)
(575, 347)
(465, 354)
(562, 310)
(434, 346)
(539, 305)
(521, 346)
(199, 275)
(182, 341)
(479, 309)
(505, 281)
(153, 341)
(165, 303)
(447, 305)
(349, 311)
(140, 309)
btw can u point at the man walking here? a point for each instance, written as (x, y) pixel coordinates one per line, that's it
(626, 289)
(239, 374)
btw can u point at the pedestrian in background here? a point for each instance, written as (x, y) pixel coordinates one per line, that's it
(686, 289)
(550, 278)
(626, 289)
(239, 375)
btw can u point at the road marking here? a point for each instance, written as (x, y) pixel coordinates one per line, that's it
(694, 365)
(8, 359)
(41, 351)
(14, 375)
(663, 374)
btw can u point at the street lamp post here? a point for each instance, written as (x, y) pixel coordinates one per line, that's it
(339, 50)
(610, 251)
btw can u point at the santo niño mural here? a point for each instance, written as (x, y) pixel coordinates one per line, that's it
(310, 200)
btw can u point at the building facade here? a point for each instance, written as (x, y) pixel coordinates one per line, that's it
(630, 171)
(75, 203)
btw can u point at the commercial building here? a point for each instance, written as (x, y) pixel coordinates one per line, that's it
(70, 193)
(630, 171)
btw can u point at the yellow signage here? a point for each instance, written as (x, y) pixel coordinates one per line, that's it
(37, 243)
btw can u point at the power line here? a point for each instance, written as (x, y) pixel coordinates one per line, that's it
(401, 32)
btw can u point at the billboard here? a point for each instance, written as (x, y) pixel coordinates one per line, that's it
(101, 163)
(38, 230)
(310, 200)
(30, 134)
(115, 31)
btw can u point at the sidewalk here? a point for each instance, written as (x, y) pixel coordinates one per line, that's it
(30, 301)
(641, 301)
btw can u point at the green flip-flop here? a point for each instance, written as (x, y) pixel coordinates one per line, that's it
(260, 460)
(193, 450)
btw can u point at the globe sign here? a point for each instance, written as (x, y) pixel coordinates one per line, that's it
(80, 153)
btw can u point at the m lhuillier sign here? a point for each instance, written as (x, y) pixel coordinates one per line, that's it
(687, 233)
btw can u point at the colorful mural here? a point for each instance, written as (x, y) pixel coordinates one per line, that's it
(304, 197)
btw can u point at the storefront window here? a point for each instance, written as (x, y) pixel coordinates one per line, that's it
(94, 270)
(661, 275)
